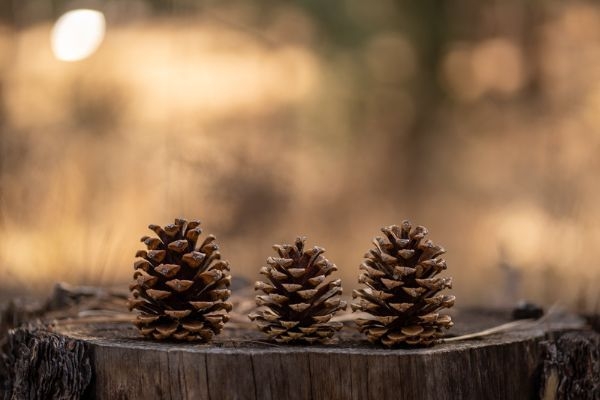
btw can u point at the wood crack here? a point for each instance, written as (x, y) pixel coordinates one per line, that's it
(254, 378)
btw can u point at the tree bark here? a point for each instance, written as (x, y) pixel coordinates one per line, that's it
(571, 368)
(44, 365)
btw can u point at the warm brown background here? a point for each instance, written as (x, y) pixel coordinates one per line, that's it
(479, 120)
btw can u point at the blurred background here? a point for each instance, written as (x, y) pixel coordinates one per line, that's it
(269, 119)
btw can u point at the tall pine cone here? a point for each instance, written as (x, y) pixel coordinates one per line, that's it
(299, 304)
(180, 291)
(402, 292)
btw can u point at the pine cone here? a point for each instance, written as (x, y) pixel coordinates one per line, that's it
(180, 291)
(401, 290)
(299, 305)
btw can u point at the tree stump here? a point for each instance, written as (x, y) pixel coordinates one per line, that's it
(78, 358)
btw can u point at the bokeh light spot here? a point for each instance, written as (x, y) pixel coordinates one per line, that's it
(77, 34)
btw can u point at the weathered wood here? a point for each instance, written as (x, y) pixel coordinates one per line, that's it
(44, 365)
(241, 365)
(69, 351)
(572, 367)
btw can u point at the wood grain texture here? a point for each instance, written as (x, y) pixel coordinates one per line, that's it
(240, 364)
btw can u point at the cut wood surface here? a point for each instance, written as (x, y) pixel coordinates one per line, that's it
(556, 357)
(242, 365)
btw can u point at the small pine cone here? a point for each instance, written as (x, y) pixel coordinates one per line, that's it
(180, 291)
(402, 292)
(299, 304)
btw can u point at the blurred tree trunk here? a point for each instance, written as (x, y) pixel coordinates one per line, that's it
(7, 18)
(429, 30)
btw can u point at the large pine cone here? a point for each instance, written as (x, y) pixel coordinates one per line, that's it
(180, 291)
(402, 292)
(298, 303)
